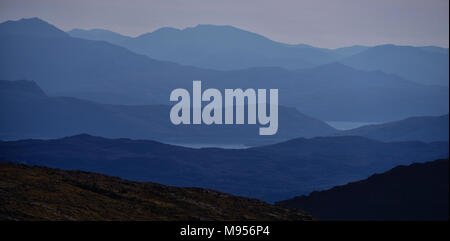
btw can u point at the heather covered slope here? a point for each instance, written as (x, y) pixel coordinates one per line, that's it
(39, 193)
(270, 173)
(416, 192)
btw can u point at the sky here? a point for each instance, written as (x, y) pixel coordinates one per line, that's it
(322, 23)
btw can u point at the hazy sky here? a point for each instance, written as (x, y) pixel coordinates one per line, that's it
(322, 23)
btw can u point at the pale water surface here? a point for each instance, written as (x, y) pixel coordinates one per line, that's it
(347, 125)
(210, 145)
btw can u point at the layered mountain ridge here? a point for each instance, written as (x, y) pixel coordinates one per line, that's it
(271, 173)
(27, 112)
(107, 73)
(230, 48)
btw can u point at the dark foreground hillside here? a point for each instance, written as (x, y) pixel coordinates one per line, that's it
(39, 193)
(415, 192)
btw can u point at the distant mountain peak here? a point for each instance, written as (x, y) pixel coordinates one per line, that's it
(213, 26)
(198, 27)
(163, 29)
(34, 20)
(31, 26)
(208, 33)
(228, 29)
(98, 35)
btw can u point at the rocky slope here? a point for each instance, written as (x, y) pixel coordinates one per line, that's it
(39, 193)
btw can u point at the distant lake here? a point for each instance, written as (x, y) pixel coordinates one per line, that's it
(208, 145)
(347, 125)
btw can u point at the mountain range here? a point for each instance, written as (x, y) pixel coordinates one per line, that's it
(45, 194)
(98, 102)
(271, 173)
(103, 72)
(426, 65)
(416, 192)
(215, 47)
(423, 128)
(27, 112)
(230, 48)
